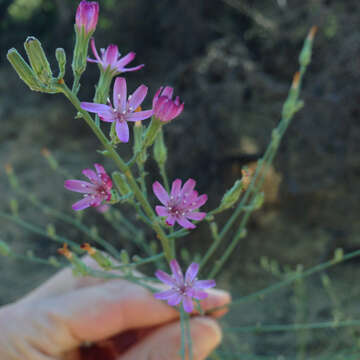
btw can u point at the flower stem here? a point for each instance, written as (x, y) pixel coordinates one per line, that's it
(290, 107)
(124, 168)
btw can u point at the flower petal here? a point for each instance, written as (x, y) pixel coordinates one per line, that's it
(175, 188)
(197, 294)
(100, 169)
(110, 57)
(174, 300)
(135, 68)
(188, 304)
(138, 116)
(165, 278)
(188, 187)
(122, 131)
(83, 203)
(91, 175)
(161, 210)
(120, 94)
(200, 201)
(185, 223)
(137, 97)
(93, 48)
(94, 107)
(176, 270)
(196, 215)
(170, 220)
(124, 61)
(156, 97)
(164, 295)
(160, 193)
(191, 272)
(204, 284)
(168, 92)
(79, 186)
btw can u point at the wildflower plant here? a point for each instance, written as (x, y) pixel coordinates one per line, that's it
(179, 213)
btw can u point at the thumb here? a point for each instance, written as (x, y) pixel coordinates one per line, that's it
(165, 343)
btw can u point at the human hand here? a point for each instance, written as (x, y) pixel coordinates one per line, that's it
(117, 319)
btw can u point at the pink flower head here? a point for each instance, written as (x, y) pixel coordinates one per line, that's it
(166, 109)
(183, 289)
(181, 204)
(87, 15)
(110, 59)
(95, 192)
(124, 108)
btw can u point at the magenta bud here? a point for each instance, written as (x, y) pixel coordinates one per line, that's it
(87, 15)
(165, 108)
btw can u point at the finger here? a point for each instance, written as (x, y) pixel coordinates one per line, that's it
(99, 312)
(165, 342)
(64, 281)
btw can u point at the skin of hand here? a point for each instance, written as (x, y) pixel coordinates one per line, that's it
(83, 318)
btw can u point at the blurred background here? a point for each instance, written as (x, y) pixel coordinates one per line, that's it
(231, 62)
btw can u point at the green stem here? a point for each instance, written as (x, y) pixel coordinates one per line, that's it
(40, 231)
(164, 177)
(254, 188)
(183, 336)
(293, 327)
(289, 280)
(142, 262)
(68, 219)
(124, 168)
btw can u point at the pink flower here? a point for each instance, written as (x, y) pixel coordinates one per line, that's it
(95, 192)
(181, 204)
(183, 290)
(123, 110)
(166, 109)
(110, 59)
(87, 15)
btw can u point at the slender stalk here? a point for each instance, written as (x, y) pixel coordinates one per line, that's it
(289, 280)
(188, 337)
(164, 177)
(34, 259)
(293, 327)
(254, 188)
(37, 230)
(70, 220)
(148, 260)
(124, 168)
(183, 336)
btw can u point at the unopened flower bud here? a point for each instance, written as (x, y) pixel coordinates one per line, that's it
(124, 256)
(305, 54)
(54, 262)
(138, 136)
(49, 157)
(38, 60)
(79, 268)
(98, 256)
(259, 201)
(65, 252)
(24, 71)
(51, 231)
(232, 195)
(61, 59)
(11, 176)
(86, 20)
(120, 183)
(160, 150)
(246, 177)
(4, 249)
(87, 15)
